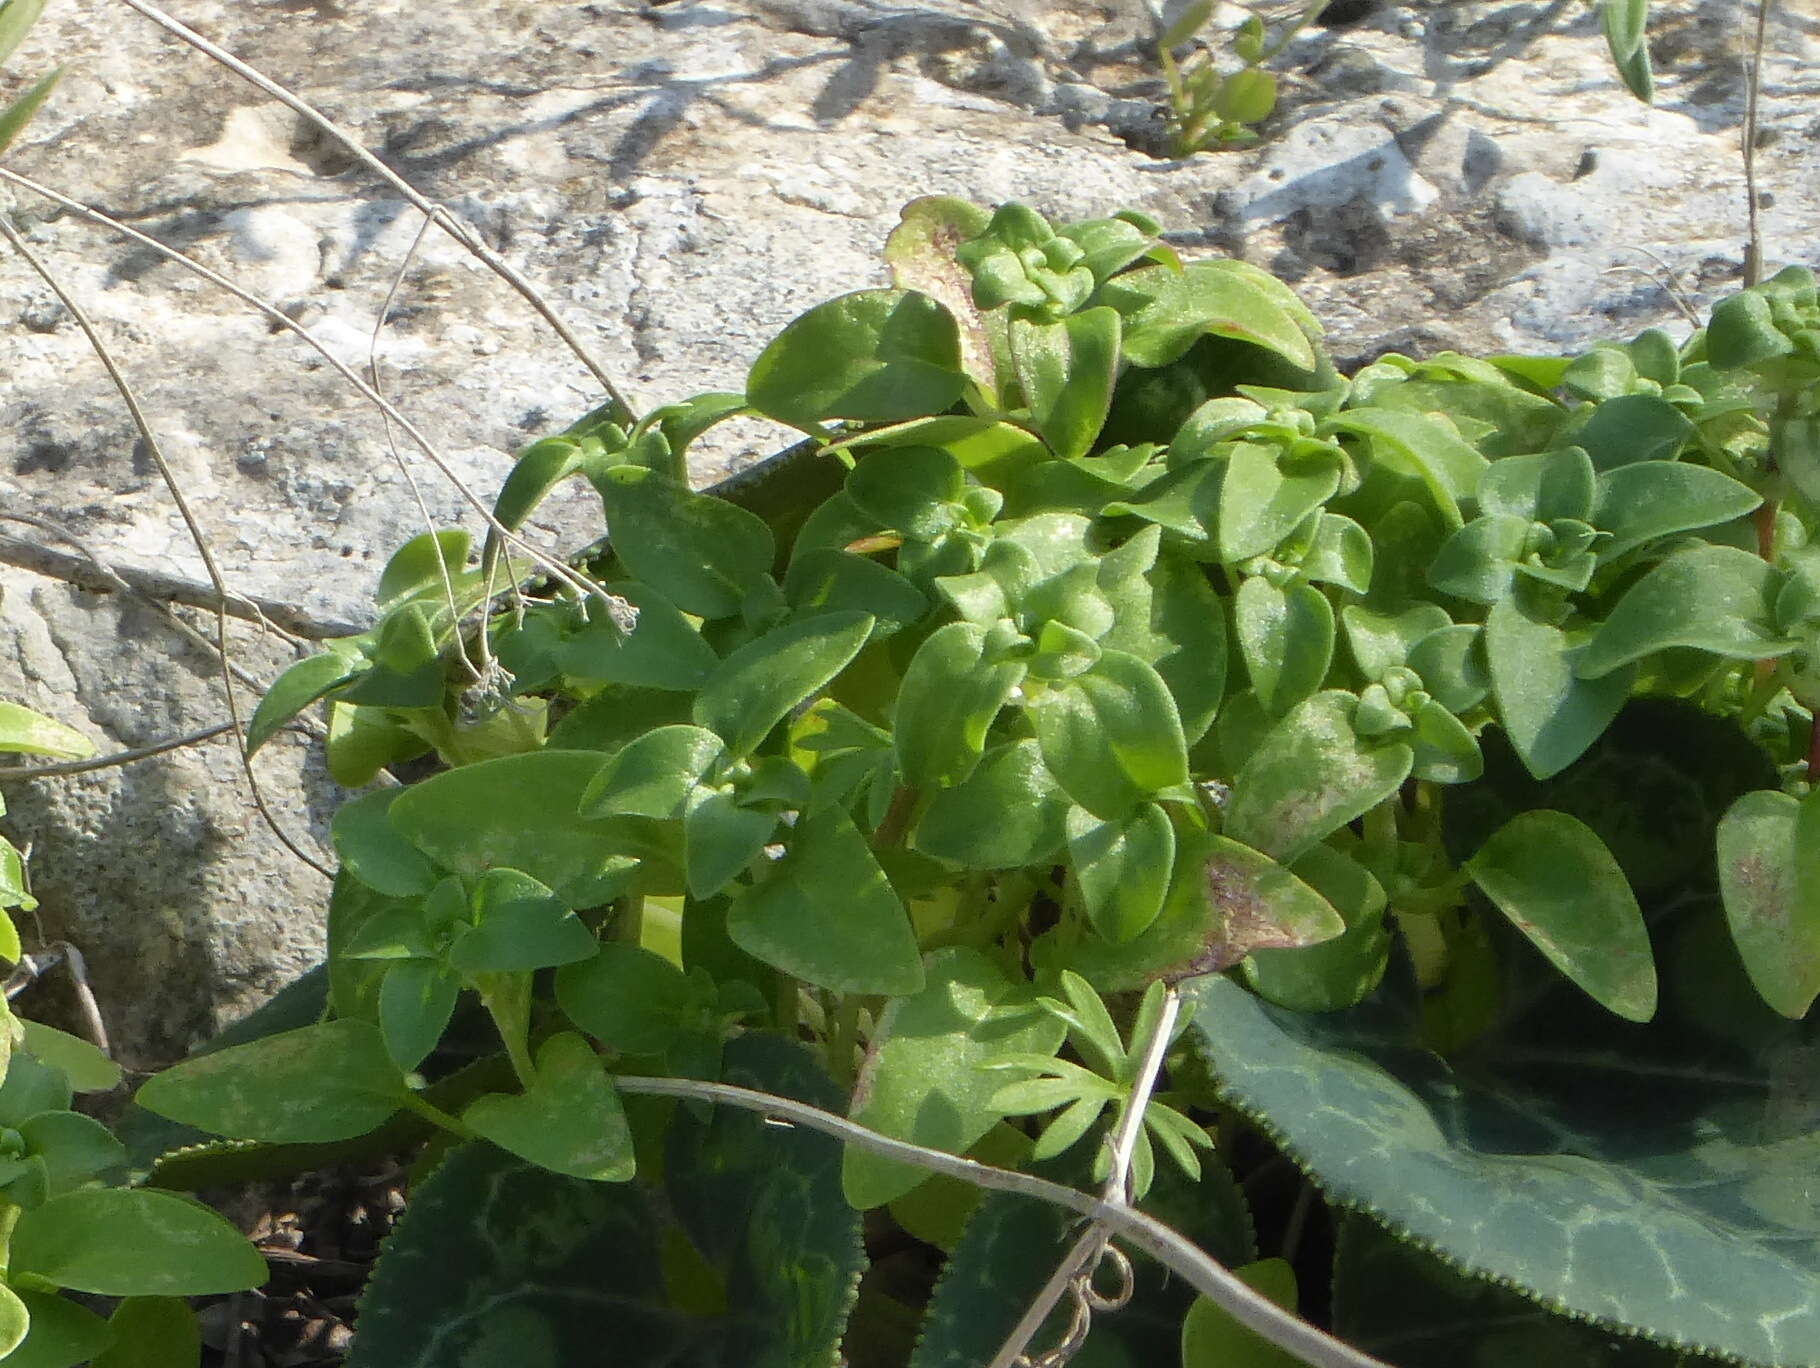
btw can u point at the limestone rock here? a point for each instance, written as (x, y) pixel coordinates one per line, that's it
(682, 178)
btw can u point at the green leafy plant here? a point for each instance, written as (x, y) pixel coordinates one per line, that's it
(1436, 738)
(1208, 107)
(1215, 104)
(16, 19)
(68, 1220)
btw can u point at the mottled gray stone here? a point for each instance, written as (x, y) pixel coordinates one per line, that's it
(682, 179)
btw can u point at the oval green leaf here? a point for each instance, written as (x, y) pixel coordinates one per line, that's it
(1552, 876)
(1771, 890)
(325, 1082)
(1311, 775)
(874, 356)
(125, 1242)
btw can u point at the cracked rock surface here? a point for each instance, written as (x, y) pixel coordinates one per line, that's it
(681, 179)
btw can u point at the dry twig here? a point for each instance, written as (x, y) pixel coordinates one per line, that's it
(175, 486)
(562, 573)
(1141, 1231)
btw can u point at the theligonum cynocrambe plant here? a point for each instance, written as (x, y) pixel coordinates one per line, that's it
(1122, 641)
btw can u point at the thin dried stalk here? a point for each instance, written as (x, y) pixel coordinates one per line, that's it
(197, 537)
(556, 569)
(1076, 1270)
(1143, 1232)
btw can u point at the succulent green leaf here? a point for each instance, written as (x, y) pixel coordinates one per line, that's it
(1606, 371)
(537, 470)
(1382, 641)
(950, 696)
(653, 775)
(1771, 890)
(827, 581)
(1225, 901)
(407, 669)
(85, 1067)
(627, 997)
(1341, 554)
(1645, 500)
(1552, 876)
(324, 1082)
(926, 1078)
(518, 925)
(915, 490)
(828, 915)
(124, 1242)
(1167, 310)
(1311, 775)
(1211, 1338)
(1066, 369)
(15, 116)
(1631, 428)
(1550, 712)
(758, 685)
(1451, 663)
(1540, 487)
(1109, 245)
(1266, 494)
(721, 837)
(1247, 96)
(31, 1087)
(518, 812)
(920, 252)
(416, 1001)
(74, 1148)
(1331, 974)
(1623, 22)
(1122, 867)
(1187, 23)
(1717, 599)
(373, 851)
(1479, 561)
(1422, 445)
(569, 1120)
(1172, 619)
(875, 356)
(1446, 751)
(1008, 814)
(61, 1335)
(1286, 639)
(703, 554)
(16, 20)
(152, 1332)
(417, 568)
(1743, 332)
(1111, 736)
(662, 651)
(30, 733)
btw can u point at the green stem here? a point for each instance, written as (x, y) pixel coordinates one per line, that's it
(437, 1116)
(630, 928)
(843, 1042)
(1768, 684)
(507, 998)
(785, 1008)
(897, 819)
(9, 1217)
